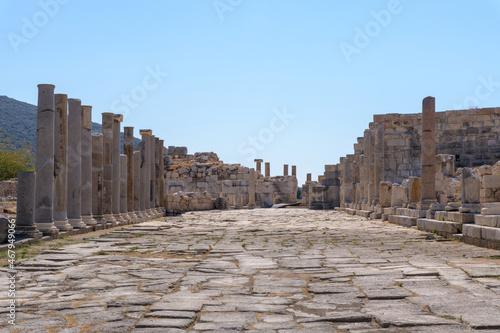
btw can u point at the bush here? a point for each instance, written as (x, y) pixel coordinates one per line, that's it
(13, 160)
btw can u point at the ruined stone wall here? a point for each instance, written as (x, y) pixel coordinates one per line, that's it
(8, 189)
(472, 136)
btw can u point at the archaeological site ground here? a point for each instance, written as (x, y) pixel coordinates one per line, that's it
(403, 235)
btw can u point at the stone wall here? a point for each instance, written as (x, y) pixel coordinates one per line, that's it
(8, 188)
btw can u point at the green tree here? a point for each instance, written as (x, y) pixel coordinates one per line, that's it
(13, 160)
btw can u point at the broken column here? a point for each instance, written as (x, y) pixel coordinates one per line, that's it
(144, 182)
(285, 170)
(428, 193)
(414, 191)
(268, 169)
(25, 220)
(86, 149)
(152, 175)
(258, 164)
(471, 186)
(294, 170)
(128, 149)
(251, 189)
(75, 163)
(309, 177)
(44, 163)
(107, 175)
(385, 194)
(60, 212)
(157, 175)
(318, 199)
(123, 188)
(115, 198)
(97, 180)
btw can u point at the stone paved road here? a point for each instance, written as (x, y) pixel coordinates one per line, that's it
(263, 270)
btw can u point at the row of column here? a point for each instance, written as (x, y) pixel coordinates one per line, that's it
(82, 180)
(258, 168)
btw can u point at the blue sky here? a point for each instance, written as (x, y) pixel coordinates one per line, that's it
(289, 81)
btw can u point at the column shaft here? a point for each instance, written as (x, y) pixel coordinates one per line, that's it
(86, 148)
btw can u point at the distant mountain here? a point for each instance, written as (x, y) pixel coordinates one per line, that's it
(18, 123)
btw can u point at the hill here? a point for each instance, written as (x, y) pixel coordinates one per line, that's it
(18, 123)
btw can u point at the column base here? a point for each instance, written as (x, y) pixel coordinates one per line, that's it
(77, 223)
(100, 222)
(119, 219)
(126, 218)
(63, 225)
(89, 220)
(109, 220)
(133, 217)
(28, 232)
(47, 228)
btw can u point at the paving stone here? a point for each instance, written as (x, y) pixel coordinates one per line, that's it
(170, 322)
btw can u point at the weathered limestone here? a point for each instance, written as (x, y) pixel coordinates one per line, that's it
(123, 189)
(379, 161)
(115, 198)
(268, 169)
(294, 170)
(162, 178)
(157, 175)
(251, 189)
(97, 180)
(75, 163)
(25, 221)
(399, 195)
(471, 186)
(152, 164)
(144, 180)
(385, 194)
(107, 176)
(309, 177)
(414, 191)
(128, 149)
(60, 213)
(137, 186)
(445, 164)
(428, 154)
(318, 200)
(146, 137)
(285, 170)
(258, 165)
(86, 150)
(44, 163)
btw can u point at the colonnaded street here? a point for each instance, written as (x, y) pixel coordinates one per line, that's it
(262, 270)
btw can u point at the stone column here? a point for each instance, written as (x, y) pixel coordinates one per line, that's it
(157, 175)
(251, 189)
(128, 149)
(294, 170)
(137, 185)
(428, 193)
(107, 169)
(152, 175)
(162, 178)
(309, 177)
(143, 178)
(285, 169)
(258, 164)
(86, 148)
(379, 166)
(25, 219)
(75, 163)
(61, 163)
(123, 188)
(146, 135)
(115, 198)
(365, 178)
(44, 163)
(97, 180)
(268, 169)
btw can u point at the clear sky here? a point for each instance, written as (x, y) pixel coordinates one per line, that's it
(288, 81)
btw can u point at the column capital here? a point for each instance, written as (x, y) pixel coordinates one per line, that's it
(118, 117)
(146, 132)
